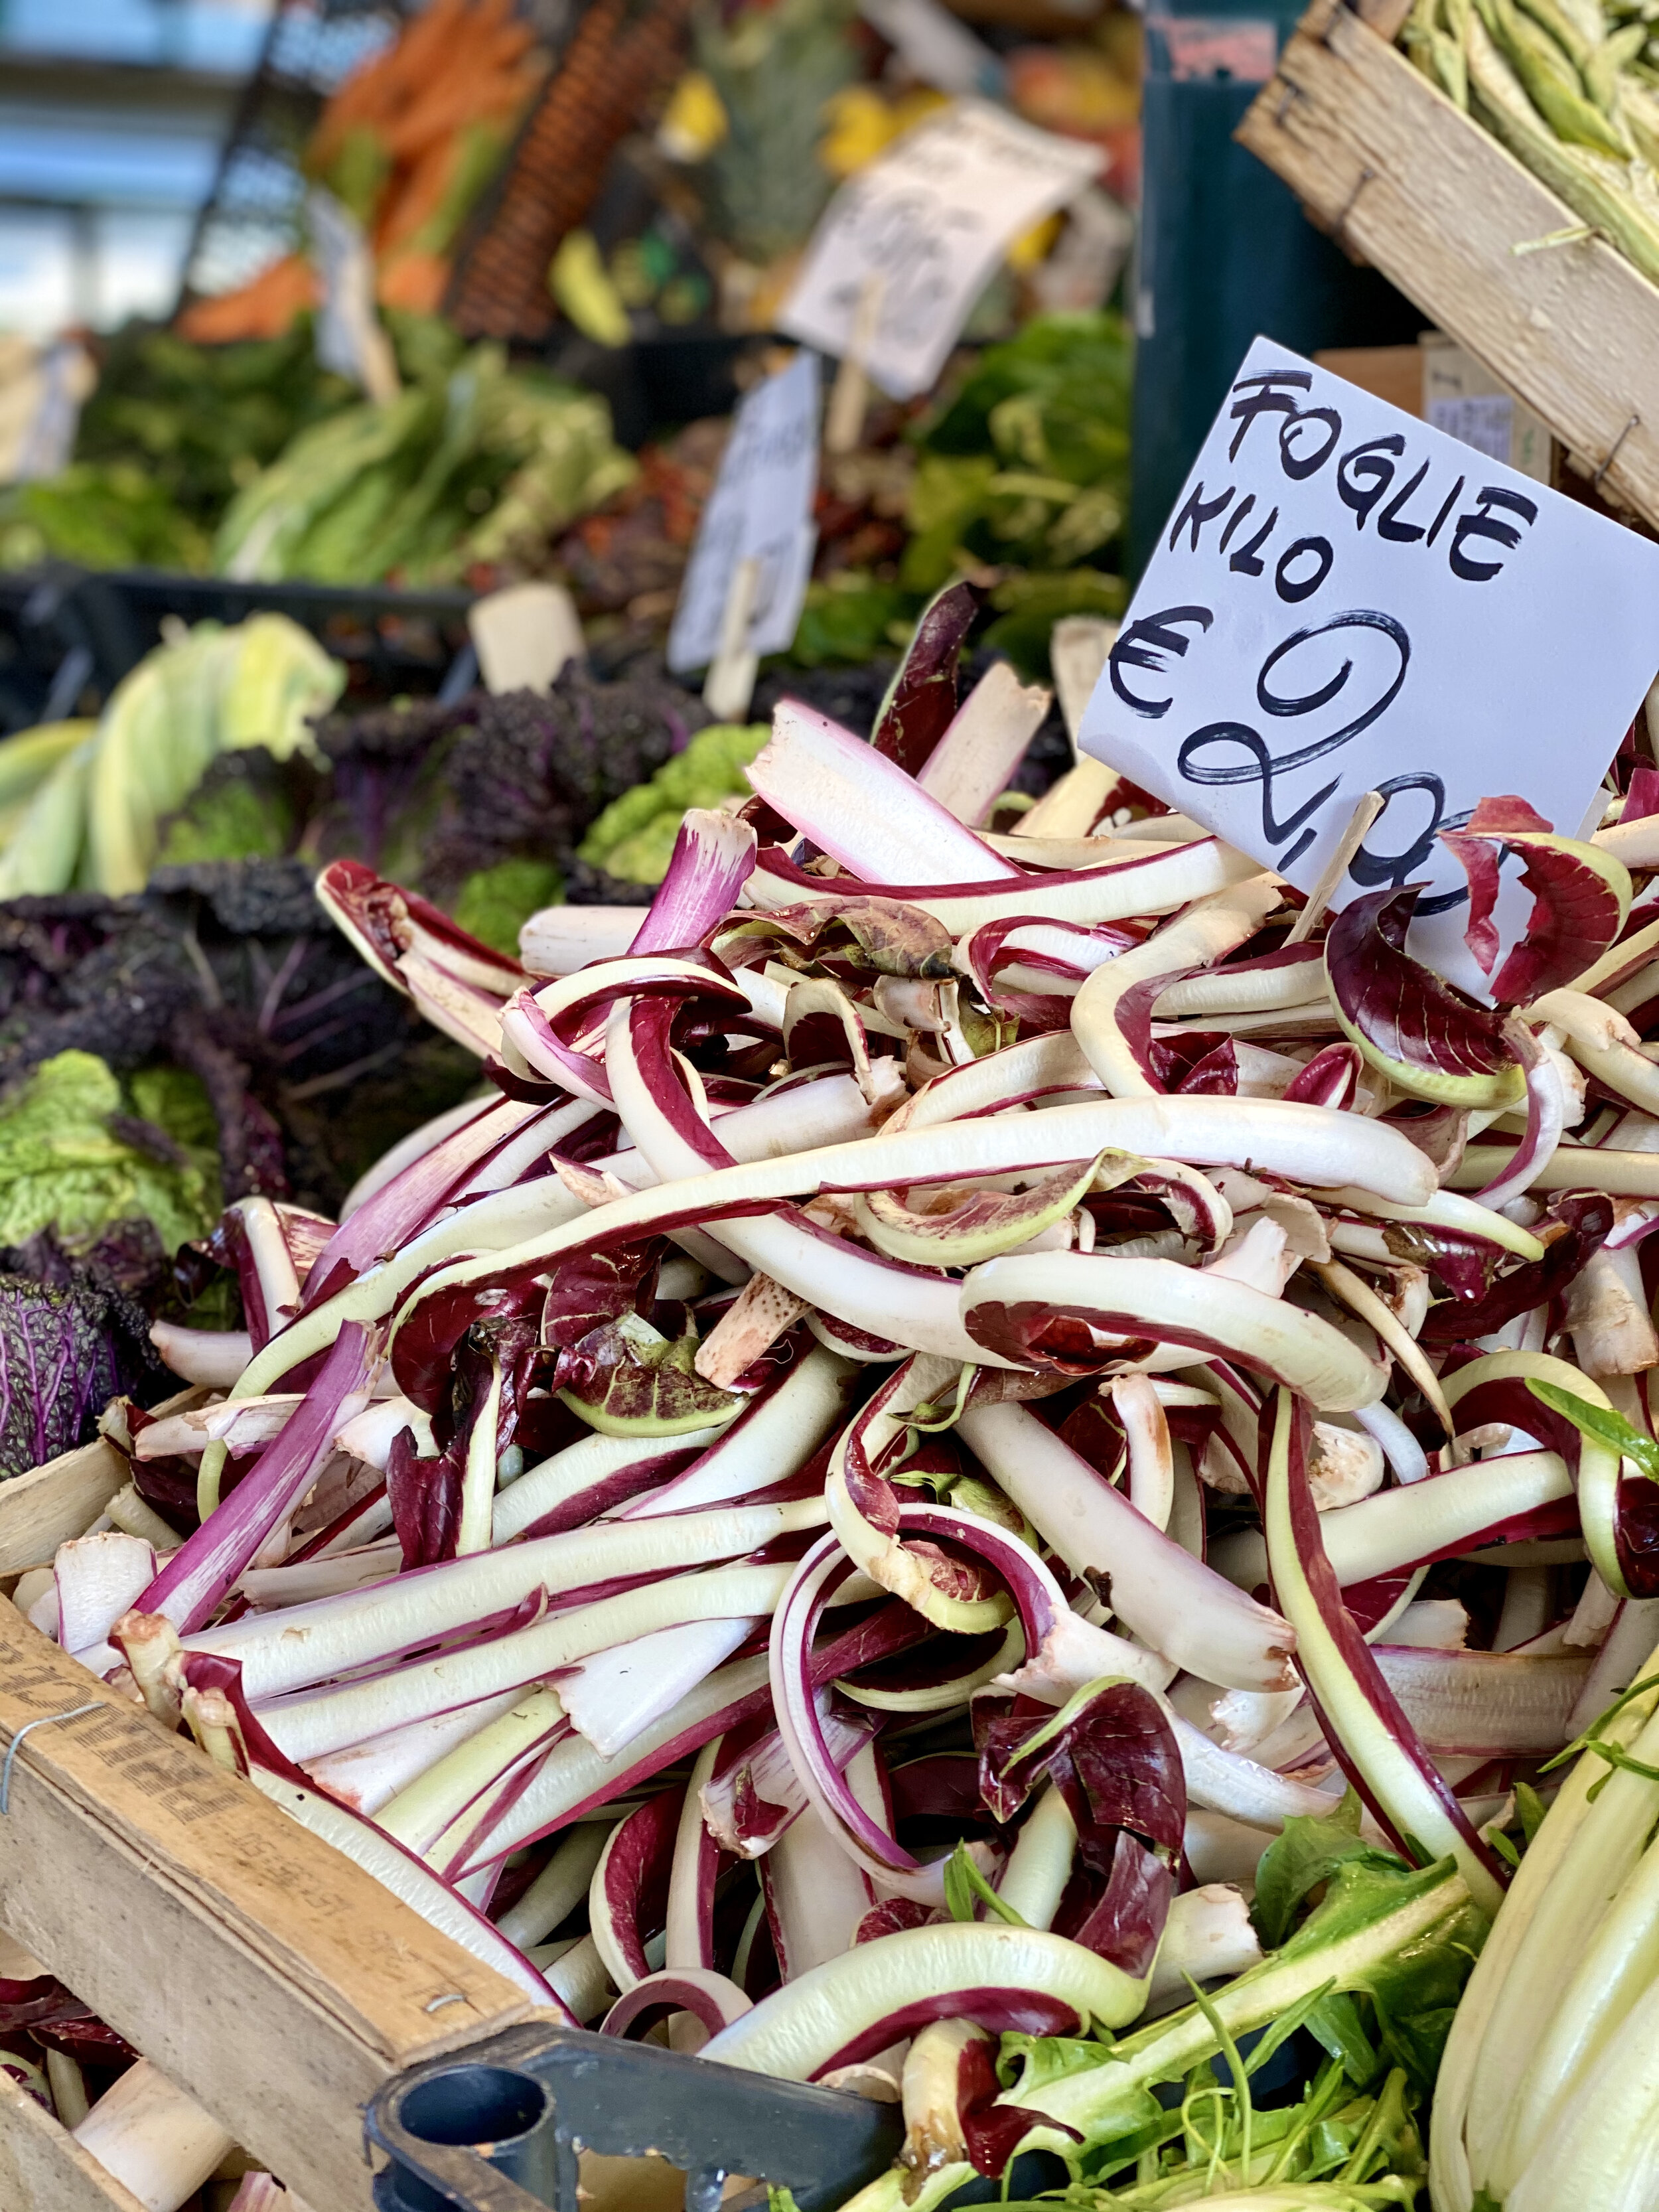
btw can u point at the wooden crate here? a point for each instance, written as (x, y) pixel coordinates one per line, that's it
(63, 1498)
(44, 2169)
(267, 1975)
(1402, 179)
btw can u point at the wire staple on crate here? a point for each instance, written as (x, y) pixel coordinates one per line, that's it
(1367, 176)
(1596, 485)
(45, 1720)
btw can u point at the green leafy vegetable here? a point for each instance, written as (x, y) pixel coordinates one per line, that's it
(852, 617)
(1601, 1422)
(966, 1889)
(1403, 1939)
(634, 838)
(1029, 463)
(495, 904)
(76, 1156)
(1305, 1854)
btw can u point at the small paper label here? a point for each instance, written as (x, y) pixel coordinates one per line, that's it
(349, 338)
(1346, 599)
(761, 510)
(1486, 422)
(929, 223)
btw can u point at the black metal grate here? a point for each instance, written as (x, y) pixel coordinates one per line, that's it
(252, 213)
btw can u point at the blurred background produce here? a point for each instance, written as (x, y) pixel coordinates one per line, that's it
(438, 296)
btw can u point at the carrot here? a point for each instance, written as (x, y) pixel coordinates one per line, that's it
(415, 281)
(262, 308)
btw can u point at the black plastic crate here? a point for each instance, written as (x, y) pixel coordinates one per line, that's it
(499, 2127)
(68, 635)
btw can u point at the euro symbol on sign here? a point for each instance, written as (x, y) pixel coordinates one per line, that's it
(1144, 645)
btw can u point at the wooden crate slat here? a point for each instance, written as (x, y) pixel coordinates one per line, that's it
(1402, 177)
(270, 1977)
(43, 1508)
(44, 2169)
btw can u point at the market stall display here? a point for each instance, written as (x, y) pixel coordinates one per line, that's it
(745, 1416)
(854, 1230)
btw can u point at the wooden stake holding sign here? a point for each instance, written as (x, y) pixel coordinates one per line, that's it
(729, 682)
(849, 399)
(1347, 602)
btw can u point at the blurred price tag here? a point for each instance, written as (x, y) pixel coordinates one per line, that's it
(349, 338)
(760, 510)
(929, 221)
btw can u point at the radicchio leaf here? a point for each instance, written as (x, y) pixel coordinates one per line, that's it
(424, 1349)
(1113, 1757)
(922, 699)
(425, 1496)
(885, 936)
(1476, 1310)
(1642, 799)
(626, 1379)
(1118, 1912)
(1430, 1038)
(1331, 1077)
(1581, 895)
(992, 2132)
(52, 2016)
(591, 1288)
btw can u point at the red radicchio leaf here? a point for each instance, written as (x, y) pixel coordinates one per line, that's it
(53, 2016)
(424, 1349)
(594, 1287)
(1213, 1074)
(1048, 1336)
(895, 1914)
(637, 1869)
(1478, 861)
(1120, 1914)
(1464, 1264)
(1368, 1603)
(1115, 1762)
(425, 1496)
(1403, 1009)
(1589, 1222)
(1331, 1077)
(1575, 913)
(991, 2133)
(1636, 1533)
(1642, 799)
(921, 700)
(652, 1384)
(1094, 1434)
(943, 1786)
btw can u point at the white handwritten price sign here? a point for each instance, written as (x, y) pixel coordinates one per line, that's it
(1347, 600)
(928, 224)
(760, 510)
